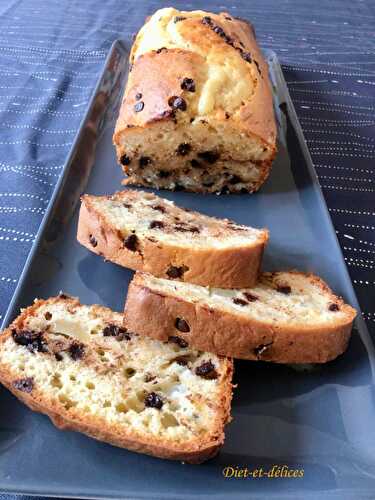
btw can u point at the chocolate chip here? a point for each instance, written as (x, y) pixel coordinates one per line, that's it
(116, 331)
(333, 307)
(182, 325)
(149, 377)
(227, 115)
(48, 315)
(177, 19)
(63, 296)
(246, 56)
(250, 297)
(159, 208)
(139, 106)
(178, 187)
(206, 370)
(257, 65)
(144, 161)
(167, 113)
(153, 400)
(58, 356)
(125, 160)
(131, 242)
(24, 384)
(208, 184)
(178, 340)
(163, 174)
(130, 68)
(161, 49)
(209, 156)
(138, 96)
(176, 102)
(239, 302)
(207, 20)
(156, 224)
(93, 241)
(181, 360)
(123, 335)
(235, 179)
(285, 289)
(176, 272)
(195, 164)
(228, 18)
(126, 205)
(33, 341)
(188, 84)
(182, 227)
(219, 31)
(76, 350)
(183, 149)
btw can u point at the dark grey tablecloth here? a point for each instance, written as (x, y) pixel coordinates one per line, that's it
(52, 53)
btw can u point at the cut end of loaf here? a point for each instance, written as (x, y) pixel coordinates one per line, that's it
(79, 365)
(194, 157)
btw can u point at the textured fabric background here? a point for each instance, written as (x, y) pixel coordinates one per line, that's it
(52, 52)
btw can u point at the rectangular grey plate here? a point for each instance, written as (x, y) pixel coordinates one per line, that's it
(321, 421)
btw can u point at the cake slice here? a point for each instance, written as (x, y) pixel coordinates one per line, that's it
(79, 366)
(144, 232)
(288, 317)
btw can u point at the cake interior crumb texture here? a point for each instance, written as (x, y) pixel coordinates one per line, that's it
(171, 224)
(282, 298)
(77, 361)
(197, 112)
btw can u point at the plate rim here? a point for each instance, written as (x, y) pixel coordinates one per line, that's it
(271, 58)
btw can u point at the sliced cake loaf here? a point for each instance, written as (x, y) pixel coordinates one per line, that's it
(197, 112)
(78, 365)
(289, 317)
(144, 232)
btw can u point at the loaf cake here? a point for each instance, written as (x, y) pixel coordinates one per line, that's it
(288, 317)
(197, 112)
(145, 232)
(78, 365)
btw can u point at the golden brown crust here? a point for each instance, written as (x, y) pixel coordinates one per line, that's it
(226, 268)
(258, 116)
(195, 451)
(161, 83)
(154, 314)
(163, 70)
